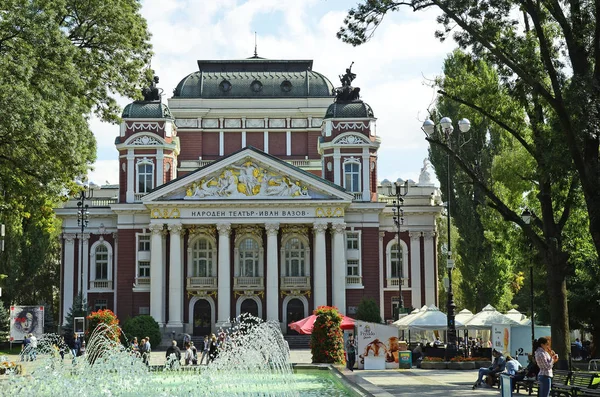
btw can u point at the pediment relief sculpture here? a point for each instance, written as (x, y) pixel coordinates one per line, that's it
(246, 180)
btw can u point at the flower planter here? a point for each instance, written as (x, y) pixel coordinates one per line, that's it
(483, 364)
(461, 365)
(433, 365)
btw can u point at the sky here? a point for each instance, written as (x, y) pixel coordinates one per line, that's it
(394, 69)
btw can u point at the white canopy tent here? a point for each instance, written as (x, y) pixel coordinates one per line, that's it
(487, 317)
(415, 313)
(431, 319)
(516, 315)
(463, 316)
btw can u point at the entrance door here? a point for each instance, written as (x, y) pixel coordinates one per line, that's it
(249, 306)
(295, 312)
(202, 314)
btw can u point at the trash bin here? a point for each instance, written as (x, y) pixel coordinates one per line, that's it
(505, 386)
(405, 359)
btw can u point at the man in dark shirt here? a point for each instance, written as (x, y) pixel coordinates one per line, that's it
(173, 354)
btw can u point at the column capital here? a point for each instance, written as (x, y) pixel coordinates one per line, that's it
(429, 235)
(115, 236)
(175, 228)
(339, 227)
(381, 236)
(155, 228)
(224, 229)
(272, 229)
(414, 235)
(85, 237)
(69, 237)
(319, 227)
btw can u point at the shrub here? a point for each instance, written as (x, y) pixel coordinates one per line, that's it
(140, 327)
(459, 359)
(433, 359)
(368, 310)
(327, 341)
(106, 317)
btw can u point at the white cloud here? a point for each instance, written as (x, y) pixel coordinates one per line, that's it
(391, 67)
(105, 172)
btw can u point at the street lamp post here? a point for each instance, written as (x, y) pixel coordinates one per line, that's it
(83, 215)
(526, 216)
(429, 128)
(400, 191)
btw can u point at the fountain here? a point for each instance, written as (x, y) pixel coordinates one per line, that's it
(253, 361)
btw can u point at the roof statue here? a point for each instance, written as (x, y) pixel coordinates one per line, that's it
(346, 92)
(152, 93)
(425, 177)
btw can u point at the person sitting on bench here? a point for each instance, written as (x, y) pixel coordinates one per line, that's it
(497, 366)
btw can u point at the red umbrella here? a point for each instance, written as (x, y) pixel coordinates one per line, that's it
(305, 326)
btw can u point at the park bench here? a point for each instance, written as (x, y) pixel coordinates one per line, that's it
(559, 378)
(580, 382)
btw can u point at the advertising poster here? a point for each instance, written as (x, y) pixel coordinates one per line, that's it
(25, 320)
(520, 340)
(377, 346)
(501, 338)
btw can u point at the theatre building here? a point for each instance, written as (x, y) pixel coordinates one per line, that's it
(253, 189)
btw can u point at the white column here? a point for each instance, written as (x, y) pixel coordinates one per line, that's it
(288, 143)
(86, 264)
(430, 279)
(130, 194)
(69, 269)
(116, 271)
(415, 266)
(175, 278)
(243, 139)
(337, 178)
(224, 276)
(320, 265)
(272, 272)
(266, 140)
(157, 281)
(160, 167)
(381, 281)
(366, 169)
(221, 142)
(338, 273)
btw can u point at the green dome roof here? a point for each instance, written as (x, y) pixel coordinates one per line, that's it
(349, 110)
(146, 110)
(254, 78)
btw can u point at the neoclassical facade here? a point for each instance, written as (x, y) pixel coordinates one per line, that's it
(253, 190)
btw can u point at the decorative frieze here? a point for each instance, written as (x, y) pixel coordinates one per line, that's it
(145, 141)
(329, 212)
(295, 229)
(244, 230)
(350, 125)
(187, 123)
(299, 123)
(164, 213)
(316, 122)
(208, 230)
(233, 123)
(352, 140)
(210, 123)
(146, 126)
(255, 123)
(277, 123)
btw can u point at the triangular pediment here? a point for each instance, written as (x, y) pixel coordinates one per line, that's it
(248, 175)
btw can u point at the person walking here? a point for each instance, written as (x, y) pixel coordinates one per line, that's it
(205, 350)
(33, 343)
(350, 352)
(545, 358)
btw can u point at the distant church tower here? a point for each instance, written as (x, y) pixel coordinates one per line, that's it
(348, 144)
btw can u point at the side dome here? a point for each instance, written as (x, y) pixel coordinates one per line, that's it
(349, 110)
(146, 110)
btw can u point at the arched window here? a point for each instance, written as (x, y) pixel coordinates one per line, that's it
(101, 263)
(396, 263)
(145, 174)
(295, 258)
(202, 258)
(352, 176)
(248, 258)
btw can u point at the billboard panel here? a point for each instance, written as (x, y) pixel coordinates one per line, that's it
(377, 345)
(25, 320)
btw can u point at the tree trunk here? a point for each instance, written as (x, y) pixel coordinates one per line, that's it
(556, 265)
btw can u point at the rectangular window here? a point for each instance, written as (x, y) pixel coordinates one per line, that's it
(145, 177)
(396, 261)
(144, 269)
(352, 241)
(143, 243)
(352, 177)
(100, 304)
(352, 267)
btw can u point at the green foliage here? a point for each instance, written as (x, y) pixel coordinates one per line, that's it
(62, 60)
(140, 327)
(327, 340)
(368, 310)
(4, 322)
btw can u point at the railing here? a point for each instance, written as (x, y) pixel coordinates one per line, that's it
(201, 283)
(300, 163)
(353, 280)
(142, 281)
(387, 200)
(393, 282)
(102, 284)
(295, 282)
(94, 202)
(248, 283)
(204, 163)
(137, 197)
(358, 196)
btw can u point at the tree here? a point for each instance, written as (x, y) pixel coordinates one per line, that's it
(561, 99)
(140, 327)
(4, 322)
(368, 310)
(62, 60)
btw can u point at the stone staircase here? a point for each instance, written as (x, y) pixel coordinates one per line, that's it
(298, 341)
